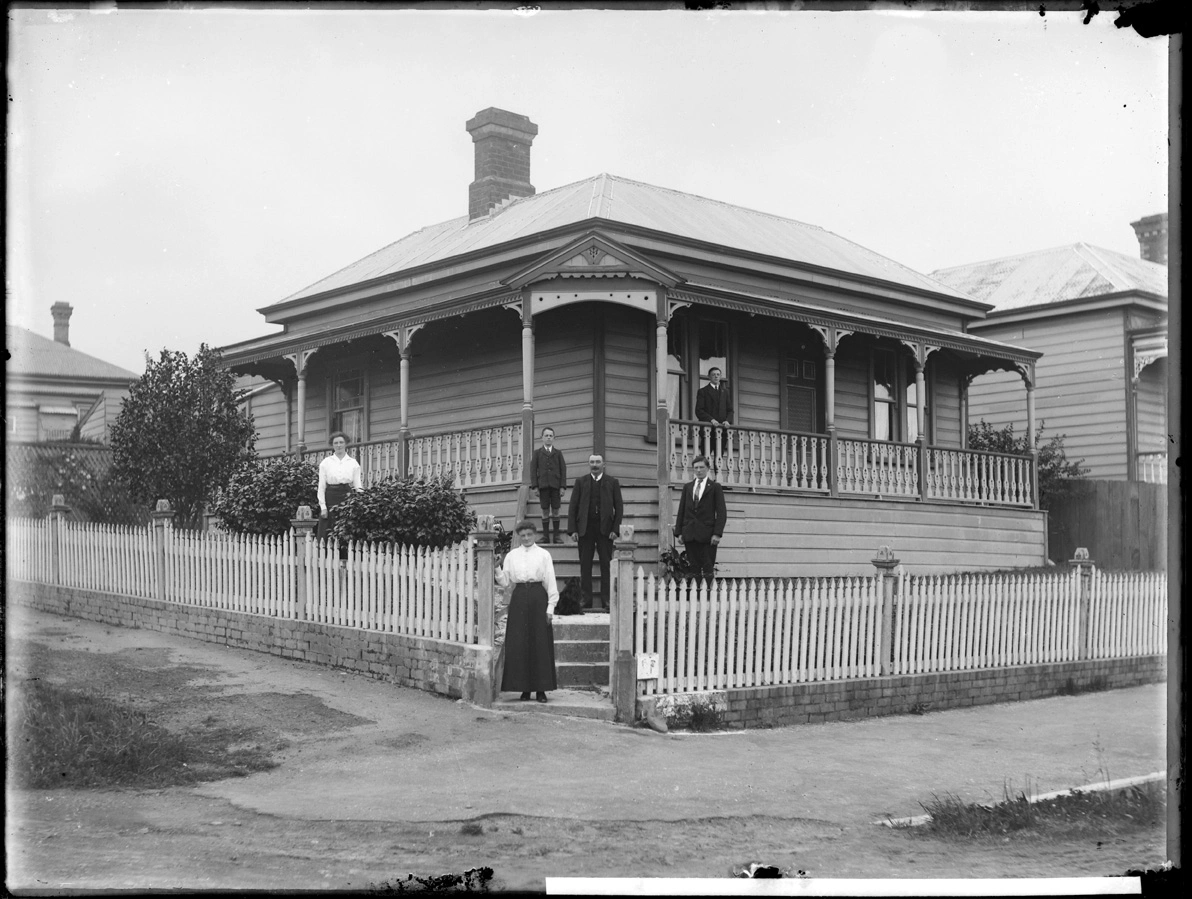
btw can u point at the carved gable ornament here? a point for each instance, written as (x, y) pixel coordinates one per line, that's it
(593, 256)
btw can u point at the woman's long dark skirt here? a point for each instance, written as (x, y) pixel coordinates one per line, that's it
(334, 494)
(529, 642)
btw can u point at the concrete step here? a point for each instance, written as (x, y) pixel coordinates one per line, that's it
(584, 652)
(571, 702)
(589, 626)
(581, 674)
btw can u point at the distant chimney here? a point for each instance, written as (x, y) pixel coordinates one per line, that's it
(502, 159)
(61, 313)
(1152, 237)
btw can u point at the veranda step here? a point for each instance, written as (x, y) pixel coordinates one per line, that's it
(581, 674)
(582, 652)
(575, 703)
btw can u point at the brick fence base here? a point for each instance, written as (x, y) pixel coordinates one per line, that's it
(871, 697)
(437, 666)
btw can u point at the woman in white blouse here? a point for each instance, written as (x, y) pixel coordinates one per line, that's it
(529, 638)
(339, 475)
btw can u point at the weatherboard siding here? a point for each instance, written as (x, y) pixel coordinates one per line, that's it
(627, 393)
(563, 382)
(785, 536)
(1080, 392)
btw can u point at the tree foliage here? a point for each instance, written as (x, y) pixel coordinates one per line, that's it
(81, 474)
(180, 435)
(407, 512)
(1056, 471)
(263, 496)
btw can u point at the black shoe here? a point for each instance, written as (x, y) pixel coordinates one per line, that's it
(541, 697)
(525, 697)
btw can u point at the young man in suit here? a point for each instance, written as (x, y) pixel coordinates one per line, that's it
(548, 478)
(714, 404)
(594, 521)
(701, 520)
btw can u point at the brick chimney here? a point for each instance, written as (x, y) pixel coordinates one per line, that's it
(61, 313)
(1152, 237)
(502, 159)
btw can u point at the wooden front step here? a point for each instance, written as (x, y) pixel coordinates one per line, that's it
(581, 650)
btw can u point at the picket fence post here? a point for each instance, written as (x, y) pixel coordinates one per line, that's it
(304, 524)
(1084, 568)
(484, 687)
(622, 667)
(886, 564)
(161, 516)
(58, 511)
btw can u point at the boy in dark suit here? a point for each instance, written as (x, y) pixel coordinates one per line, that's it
(594, 522)
(701, 520)
(548, 476)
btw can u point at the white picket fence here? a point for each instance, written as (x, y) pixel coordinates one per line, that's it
(1128, 614)
(395, 589)
(753, 632)
(391, 589)
(965, 622)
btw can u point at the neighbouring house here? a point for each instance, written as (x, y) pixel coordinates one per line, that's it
(52, 388)
(1100, 320)
(598, 308)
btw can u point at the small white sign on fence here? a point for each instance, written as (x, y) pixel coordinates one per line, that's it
(647, 666)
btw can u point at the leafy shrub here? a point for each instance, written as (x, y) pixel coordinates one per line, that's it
(180, 434)
(265, 495)
(1055, 471)
(407, 512)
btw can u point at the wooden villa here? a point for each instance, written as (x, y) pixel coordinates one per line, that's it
(598, 308)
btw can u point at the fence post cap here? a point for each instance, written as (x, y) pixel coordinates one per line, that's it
(163, 505)
(885, 559)
(303, 513)
(58, 504)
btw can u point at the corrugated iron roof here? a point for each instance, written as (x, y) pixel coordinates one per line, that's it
(1072, 272)
(632, 203)
(33, 354)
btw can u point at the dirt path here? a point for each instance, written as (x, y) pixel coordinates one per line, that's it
(376, 782)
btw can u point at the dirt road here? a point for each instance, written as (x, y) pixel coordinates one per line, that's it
(375, 782)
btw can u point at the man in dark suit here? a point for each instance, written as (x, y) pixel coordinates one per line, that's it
(594, 521)
(548, 478)
(714, 404)
(701, 520)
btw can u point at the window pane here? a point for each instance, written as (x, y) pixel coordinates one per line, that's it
(349, 389)
(883, 420)
(351, 423)
(713, 349)
(883, 375)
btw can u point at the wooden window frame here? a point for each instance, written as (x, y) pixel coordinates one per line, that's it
(334, 374)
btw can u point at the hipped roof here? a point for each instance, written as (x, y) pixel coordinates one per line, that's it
(37, 356)
(635, 204)
(1073, 272)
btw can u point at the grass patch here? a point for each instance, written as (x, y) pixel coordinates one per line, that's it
(1105, 812)
(75, 738)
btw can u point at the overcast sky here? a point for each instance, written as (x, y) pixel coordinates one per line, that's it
(172, 171)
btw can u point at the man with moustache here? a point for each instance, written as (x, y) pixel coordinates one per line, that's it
(594, 522)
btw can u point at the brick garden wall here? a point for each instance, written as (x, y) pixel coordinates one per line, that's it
(436, 666)
(909, 693)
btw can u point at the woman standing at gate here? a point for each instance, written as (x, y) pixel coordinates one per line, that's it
(529, 638)
(339, 475)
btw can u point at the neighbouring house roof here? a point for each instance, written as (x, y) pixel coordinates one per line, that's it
(35, 356)
(1061, 274)
(632, 203)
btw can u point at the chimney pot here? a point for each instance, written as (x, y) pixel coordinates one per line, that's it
(502, 142)
(61, 313)
(1152, 237)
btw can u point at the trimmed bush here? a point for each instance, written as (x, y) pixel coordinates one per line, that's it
(407, 512)
(265, 494)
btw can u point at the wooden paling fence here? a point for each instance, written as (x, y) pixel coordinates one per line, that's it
(964, 622)
(753, 632)
(393, 589)
(397, 589)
